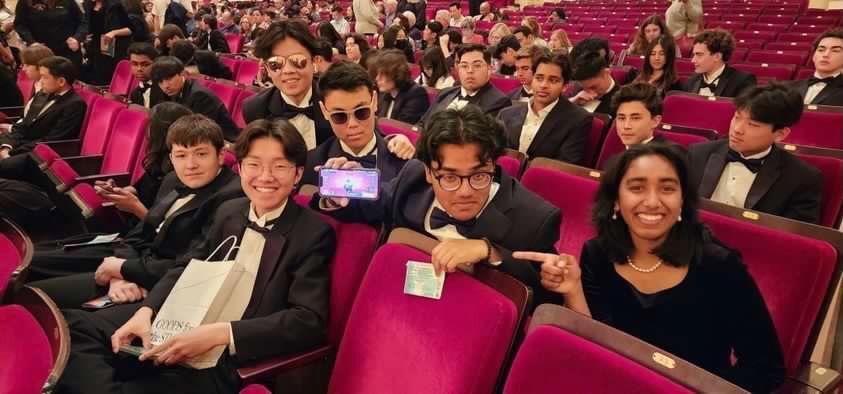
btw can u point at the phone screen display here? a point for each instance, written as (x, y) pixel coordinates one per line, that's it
(358, 183)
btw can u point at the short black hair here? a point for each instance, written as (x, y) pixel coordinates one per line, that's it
(345, 76)
(717, 41)
(641, 91)
(836, 32)
(60, 67)
(468, 48)
(455, 4)
(776, 104)
(685, 239)
(194, 129)
(324, 49)
(161, 117)
(558, 59)
(469, 125)
(210, 20)
(435, 27)
(588, 65)
(278, 31)
(184, 50)
(526, 31)
(166, 67)
(143, 49)
(506, 42)
(295, 150)
(592, 44)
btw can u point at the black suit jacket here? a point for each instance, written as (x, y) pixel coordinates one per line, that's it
(388, 164)
(288, 311)
(785, 186)
(156, 95)
(515, 219)
(149, 254)
(60, 121)
(488, 98)
(562, 135)
(269, 104)
(732, 82)
(605, 106)
(202, 101)
(217, 39)
(832, 93)
(518, 94)
(410, 104)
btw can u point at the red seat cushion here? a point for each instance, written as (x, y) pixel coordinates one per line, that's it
(125, 142)
(510, 165)
(255, 389)
(26, 359)
(832, 172)
(122, 80)
(247, 72)
(505, 84)
(391, 128)
(818, 128)
(718, 113)
(10, 258)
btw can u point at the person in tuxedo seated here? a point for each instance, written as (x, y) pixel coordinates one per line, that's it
(714, 77)
(638, 111)
(655, 271)
(349, 103)
(141, 57)
(286, 51)
(748, 170)
(506, 52)
(209, 38)
(454, 192)
(546, 126)
(168, 73)
(525, 58)
(288, 248)
(597, 87)
(826, 86)
(474, 66)
(56, 112)
(179, 219)
(400, 98)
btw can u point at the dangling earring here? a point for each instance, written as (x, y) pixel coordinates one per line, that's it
(679, 218)
(615, 215)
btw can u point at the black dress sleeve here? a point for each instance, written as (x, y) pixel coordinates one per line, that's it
(593, 265)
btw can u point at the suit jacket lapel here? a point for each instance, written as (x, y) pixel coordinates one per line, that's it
(516, 123)
(765, 179)
(271, 255)
(415, 209)
(548, 126)
(200, 198)
(828, 90)
(493, 222)
(713, 170)
(725, 79)
(694, 83)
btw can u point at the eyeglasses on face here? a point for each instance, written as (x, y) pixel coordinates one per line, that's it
(276, 63)
(452, 182)
(359, 113)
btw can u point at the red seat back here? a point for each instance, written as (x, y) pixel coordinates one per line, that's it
(505, 83)
(122, 80)
(25, 85)
(231, 63)
(100, 124)
(818, 128)
(832, 198)
(125, 142)
(390, 127)
(227, 93)
(595, 140)
(718, 113)
(237, 112)
(90, 97)
(27, 359)
(780, 72)
(247, 71)
(776, 57)
(234, 41)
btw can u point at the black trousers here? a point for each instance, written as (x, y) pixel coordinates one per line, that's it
(94, 369)
(70, 292)
(24, 203)
(52, 260)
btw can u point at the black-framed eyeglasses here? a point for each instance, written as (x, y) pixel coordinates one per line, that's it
(452, 182)
(359, 113)
(276, 63)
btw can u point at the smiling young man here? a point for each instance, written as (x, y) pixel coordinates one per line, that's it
(825, 87)
(748, 170)
(714, 77)
(546, 126)
(141, 57)
(638, 111)
(179, 220)
(454, 192)
(283, 309)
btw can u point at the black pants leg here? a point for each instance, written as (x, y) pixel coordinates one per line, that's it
(54, 262)
(70, 292)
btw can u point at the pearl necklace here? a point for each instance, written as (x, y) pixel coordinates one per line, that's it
(644, 270)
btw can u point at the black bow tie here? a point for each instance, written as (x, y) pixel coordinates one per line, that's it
(368, 161)
(439, 219)
(464, 98)
(526, 94)
(184, 191)
(263, 230)
(291, 111)
(753, 165)
(815, 80)
(711, 86)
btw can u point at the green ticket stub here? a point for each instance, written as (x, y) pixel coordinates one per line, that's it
(421, 280)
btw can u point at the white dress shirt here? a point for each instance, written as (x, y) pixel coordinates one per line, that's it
(173, 208)
(305, 125)
(715, 79)
(816, 88)
(532, 123)
(450, 231)
(369, 148)
(593, 104)
(341, 26)
(736, 181)
(459, 103)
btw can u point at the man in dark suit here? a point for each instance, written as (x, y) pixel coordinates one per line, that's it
(287, 49)
(712, 51)
(638, 111)
(209, 38)
(349, 104)
(180, 219)
(473, 63)
(546, 126)
(525, 60)
(455, 193)
(141, 57)
(285, 310)
(54, 113)
(591, 72)
(168, 74)
(400, 98)
(748, 170)
(826, 86)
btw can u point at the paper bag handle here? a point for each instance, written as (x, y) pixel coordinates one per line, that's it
(231, 249)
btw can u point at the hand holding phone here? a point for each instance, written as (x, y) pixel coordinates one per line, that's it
(362, 183)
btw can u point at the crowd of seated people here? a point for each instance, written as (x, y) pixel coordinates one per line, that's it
(332, 84)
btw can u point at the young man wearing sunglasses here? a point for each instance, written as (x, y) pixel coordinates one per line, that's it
(454, 192)
(349, 102)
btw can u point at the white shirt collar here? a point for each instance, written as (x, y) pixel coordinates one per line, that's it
(543, 113)
(759, 155)
(370, 146)
(465, 93)
(493, 190)
(611, 86)
(817, 75)
(715, 75)
(269, 216)
(644, 142)
(305, 102)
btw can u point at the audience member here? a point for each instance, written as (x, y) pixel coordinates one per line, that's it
(826, 85)
(748, 170)
(557, 16)
(185, 51)
(109, 28)
(548, 126)
(559, 42)
(591, 72)
(434, 70)
(323, 57)
(443, 17)
(356, 46)
(228, 25)
(141, 57)
(400, 98)
(419, 10)
(535, 30)
(497, 33)
(456, 17)
(390, 12)
(486, 14)
(326, 31)
(649, 31)
(654, 270)
(168, 35)
(684, 17)
(209, 37)
(395, 38)
(714, 77)
(208, 63)
(366, 16)
(525, 58)
(505, 52)
(56, 24)
(338, 21)
(660, 65)
(467, 27)
(638, 111)
(431, 34)
(30, 57)
(159, 11)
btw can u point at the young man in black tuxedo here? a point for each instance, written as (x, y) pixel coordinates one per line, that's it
(349, 102)
(525, 60)
(547, 126)
(400, 98)
(179, 220)
(748, 170)
(209, 38)
(592, 74)
(474, 65)
(825, 87)
(168, 73)
(284, 309)
(454, 192)
(141, 57)
(714, 77)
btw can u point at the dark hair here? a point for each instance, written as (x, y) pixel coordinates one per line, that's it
(390, 36)
(166, 67)
(337, 8)
(469, 125)
(684, 240)
(836, 32)
(209, 64)
(641, 91)
(143, 49)
(468, 48)
(59, 67)
(278, 31)
(506, 42)
(393, 64)
(776, 104)
(33, 54)
(560, 12)
(133, 7)
(185, 51)
(210, 20)
(669, 76)
(593, 44)
(717, 41)
(558, 60)
(166, 34)
(526, 31)
(161, 117)
(437, 28)
(640, 44)
(327, 31)
(295, 150)
(454, 37)
(435, 59)
(324, 49)
(588, 65)
(455, 4)
(345, 76)
(194, 129)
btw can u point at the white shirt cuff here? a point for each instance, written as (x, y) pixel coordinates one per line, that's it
(231, 349)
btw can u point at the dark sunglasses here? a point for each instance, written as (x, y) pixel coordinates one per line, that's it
(276, 63)
(361, 114)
